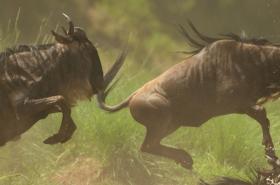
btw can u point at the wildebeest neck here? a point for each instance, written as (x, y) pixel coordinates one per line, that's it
(263, 66)
(96, 76)
(270, 60)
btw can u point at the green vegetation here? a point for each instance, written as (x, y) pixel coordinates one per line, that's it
(105, 148)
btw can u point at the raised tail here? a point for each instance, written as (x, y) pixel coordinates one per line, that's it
(101, 103)
(108, 78)
(112, 72)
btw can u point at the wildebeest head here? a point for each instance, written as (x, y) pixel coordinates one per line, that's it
(76, 36)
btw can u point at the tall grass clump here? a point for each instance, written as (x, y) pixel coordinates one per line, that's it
(9, 34)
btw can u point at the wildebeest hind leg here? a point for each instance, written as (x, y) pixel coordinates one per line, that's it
(152, 145)
(40, 108)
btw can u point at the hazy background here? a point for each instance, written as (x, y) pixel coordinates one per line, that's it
(105, 148)
(109, 22)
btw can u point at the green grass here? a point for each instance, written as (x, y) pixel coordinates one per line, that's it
(108, 144)
(228, 145)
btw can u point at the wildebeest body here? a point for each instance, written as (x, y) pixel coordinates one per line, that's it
(226, 76)
(210, 84)
(36, 81)
(39, 74)
(55, 72)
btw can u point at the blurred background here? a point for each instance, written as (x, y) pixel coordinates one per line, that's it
(256, 17)
(105, 148)
(153, 24)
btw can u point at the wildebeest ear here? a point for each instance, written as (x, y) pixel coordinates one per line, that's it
(61, 39)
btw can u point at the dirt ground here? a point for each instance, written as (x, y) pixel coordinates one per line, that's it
(83, 171)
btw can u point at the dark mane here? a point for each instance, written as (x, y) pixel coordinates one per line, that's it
(204, 40)
(257, 41)
(23, 48)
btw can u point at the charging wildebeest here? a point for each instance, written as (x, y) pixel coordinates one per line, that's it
(223, 76)
(36, 81)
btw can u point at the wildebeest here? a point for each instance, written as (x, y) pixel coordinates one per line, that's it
(224, 75)
(36, 81)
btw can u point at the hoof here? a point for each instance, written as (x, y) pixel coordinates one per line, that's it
(187, 164)
(57, 138)
(53, 139)
(185, 160)
(65, 139)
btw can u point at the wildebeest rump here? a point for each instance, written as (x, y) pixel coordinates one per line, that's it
(222, 76)
(38, 80)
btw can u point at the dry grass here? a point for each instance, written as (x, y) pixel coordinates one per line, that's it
(81, 171)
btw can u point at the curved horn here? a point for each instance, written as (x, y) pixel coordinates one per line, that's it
(71, 24)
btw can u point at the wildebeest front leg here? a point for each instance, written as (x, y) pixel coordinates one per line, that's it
(259, 114)
(40, 108)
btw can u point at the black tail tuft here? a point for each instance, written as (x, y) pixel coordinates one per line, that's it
(109, 76)
(110, 88)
